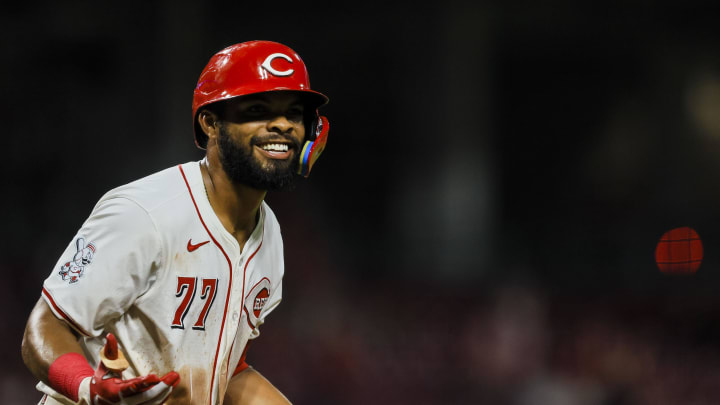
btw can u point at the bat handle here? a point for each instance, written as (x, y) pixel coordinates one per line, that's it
(112, 357)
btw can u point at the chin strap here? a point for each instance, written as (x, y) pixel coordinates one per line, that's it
(312, 149)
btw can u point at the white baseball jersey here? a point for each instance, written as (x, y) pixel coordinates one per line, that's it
(154, 266)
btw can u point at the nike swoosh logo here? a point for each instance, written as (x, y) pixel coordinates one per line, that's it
(192, 248)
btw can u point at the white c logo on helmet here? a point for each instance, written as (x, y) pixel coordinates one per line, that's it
(266, 65)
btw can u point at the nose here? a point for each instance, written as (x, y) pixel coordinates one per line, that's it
(280, 124)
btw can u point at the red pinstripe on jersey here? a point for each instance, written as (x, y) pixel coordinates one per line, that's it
(227, 298)
(230, 267)
(242, 358)
(63, 314)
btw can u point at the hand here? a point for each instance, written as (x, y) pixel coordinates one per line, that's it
(107, 387)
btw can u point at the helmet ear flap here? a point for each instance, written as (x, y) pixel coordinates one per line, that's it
(313, 126)
(313, 148)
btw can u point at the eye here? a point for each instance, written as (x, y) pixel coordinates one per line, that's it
(296, 112)
(256, 109)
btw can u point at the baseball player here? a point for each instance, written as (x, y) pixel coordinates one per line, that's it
(159, 293)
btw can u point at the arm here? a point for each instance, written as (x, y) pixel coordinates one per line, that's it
(250, 388)
(49, 340)
(46, 338)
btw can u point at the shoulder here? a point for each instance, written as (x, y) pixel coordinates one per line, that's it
(269, 214)
(271, 224)
(150, 191)
(159, 202)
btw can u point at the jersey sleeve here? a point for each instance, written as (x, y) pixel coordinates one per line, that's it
(111, 261)
(277, 269)
(273, 302)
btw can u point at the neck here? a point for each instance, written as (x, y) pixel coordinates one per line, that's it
(236, 205)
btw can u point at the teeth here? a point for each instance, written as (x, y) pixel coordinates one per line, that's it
(275, 147)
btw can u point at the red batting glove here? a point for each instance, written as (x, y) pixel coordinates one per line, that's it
(108, 388)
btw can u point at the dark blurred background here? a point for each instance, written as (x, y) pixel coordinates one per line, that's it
(482, 226)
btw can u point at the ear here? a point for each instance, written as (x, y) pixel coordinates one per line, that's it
(209, 123)
(80, 244)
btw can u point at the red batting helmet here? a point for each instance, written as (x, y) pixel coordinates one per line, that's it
(250, 68)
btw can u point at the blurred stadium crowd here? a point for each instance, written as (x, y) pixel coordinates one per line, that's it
(513, 345)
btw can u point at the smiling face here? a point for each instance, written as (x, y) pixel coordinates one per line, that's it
(259, 138)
